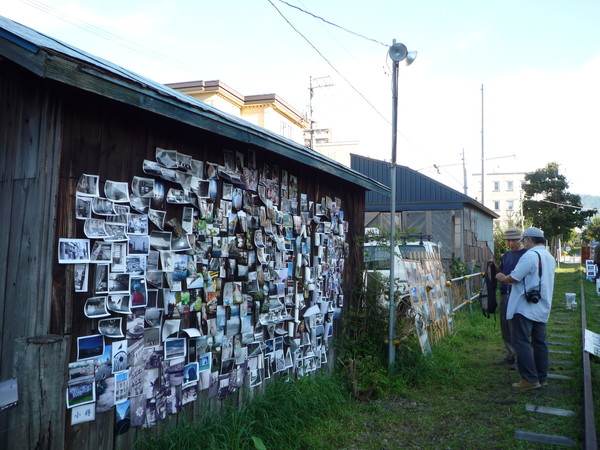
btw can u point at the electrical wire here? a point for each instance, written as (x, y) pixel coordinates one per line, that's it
(329, 63)
(332, 24)
(119, 40)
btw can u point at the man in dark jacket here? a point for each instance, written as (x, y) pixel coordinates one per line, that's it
(512, 236)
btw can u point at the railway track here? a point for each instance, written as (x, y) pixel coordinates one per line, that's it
(569, 396)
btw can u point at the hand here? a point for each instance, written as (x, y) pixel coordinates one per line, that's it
(500, 277)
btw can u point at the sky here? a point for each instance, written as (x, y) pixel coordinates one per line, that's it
(524, 75)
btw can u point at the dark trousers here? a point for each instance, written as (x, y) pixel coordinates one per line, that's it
(529, 342)
(505, 329)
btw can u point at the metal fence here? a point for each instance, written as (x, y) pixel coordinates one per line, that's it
(463, 291)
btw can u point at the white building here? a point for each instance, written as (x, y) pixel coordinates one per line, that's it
(503, 194)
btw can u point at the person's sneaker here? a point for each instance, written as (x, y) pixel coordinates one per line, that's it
(513, 366)
(505, 362)
(544, 384)
(524, 384)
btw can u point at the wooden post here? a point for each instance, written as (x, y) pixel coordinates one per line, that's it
(38, 421)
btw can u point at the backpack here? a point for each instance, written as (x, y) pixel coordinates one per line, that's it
(487, 296)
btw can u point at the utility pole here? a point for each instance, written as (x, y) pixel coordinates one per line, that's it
(464, 173)
(321, 82)
(482, 155)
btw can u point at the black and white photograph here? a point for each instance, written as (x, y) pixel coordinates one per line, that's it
(135, 324)
(177, 197)
(119, 253)
(157, 217)
(138, 245)
(116, 191)
(111, 328)
(153, 316)
(83, 207)
(115, 232)
(88, 185)
(151, 337)
(80, 277)
(166, 158)
(94, 228)
(152, 260)
(155, 278)
(118, 283)
(181, 243)
(197, 168)
(119, 304)
(71, 251)
(161, 240)
(135, 264)
(101, 252)
(139, 204)
(95, 307)
(137, 224)
(151, 168)
(102, 206)
(143, 187)
(184, 161)
(101, 278)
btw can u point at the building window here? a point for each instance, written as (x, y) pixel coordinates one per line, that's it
(496, 206)
(496, 185)
(285, 130)
(510, 205)
(509, 186)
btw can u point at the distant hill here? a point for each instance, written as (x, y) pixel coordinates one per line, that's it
(590, 202)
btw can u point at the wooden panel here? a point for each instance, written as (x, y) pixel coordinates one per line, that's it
(82, 133)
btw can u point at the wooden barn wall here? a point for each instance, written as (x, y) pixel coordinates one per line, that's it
(50, 135)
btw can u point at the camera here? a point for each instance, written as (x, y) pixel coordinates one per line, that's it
(533, 296)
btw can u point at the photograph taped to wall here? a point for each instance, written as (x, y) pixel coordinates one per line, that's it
(83, 207)
(80, 277)
(116, 191)
(166, 158)
(88, 185)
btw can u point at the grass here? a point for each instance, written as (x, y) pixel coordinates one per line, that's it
(457, 397)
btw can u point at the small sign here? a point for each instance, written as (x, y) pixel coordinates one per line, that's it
(592, 342)
(83, 413)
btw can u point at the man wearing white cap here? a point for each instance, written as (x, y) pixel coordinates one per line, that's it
(529, 307)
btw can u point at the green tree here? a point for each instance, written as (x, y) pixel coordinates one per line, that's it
(592, 231)
(549, 206)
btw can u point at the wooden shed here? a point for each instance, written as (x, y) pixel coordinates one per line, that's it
(98, 165)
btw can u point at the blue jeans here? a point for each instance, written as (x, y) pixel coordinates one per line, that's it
(529, 342)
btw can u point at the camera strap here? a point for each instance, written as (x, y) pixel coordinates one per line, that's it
(539, 273)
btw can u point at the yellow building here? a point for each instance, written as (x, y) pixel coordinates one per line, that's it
(265, 110)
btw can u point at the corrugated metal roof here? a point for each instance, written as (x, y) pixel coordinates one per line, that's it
(414, 191)
(53, 59)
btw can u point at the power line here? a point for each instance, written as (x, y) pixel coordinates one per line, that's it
(86, 26)
(332, 24)
(329, 63)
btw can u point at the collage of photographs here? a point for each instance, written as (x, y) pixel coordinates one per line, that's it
(429, 299)
(199, 276)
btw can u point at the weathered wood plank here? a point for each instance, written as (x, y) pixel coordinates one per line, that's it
(37, 422)
(549, 410)
(544, 438)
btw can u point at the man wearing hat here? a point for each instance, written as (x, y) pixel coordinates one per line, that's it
(512, 236)
(529, 312)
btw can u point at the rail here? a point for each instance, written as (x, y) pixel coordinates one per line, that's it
(588, 398)
(456, 290)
